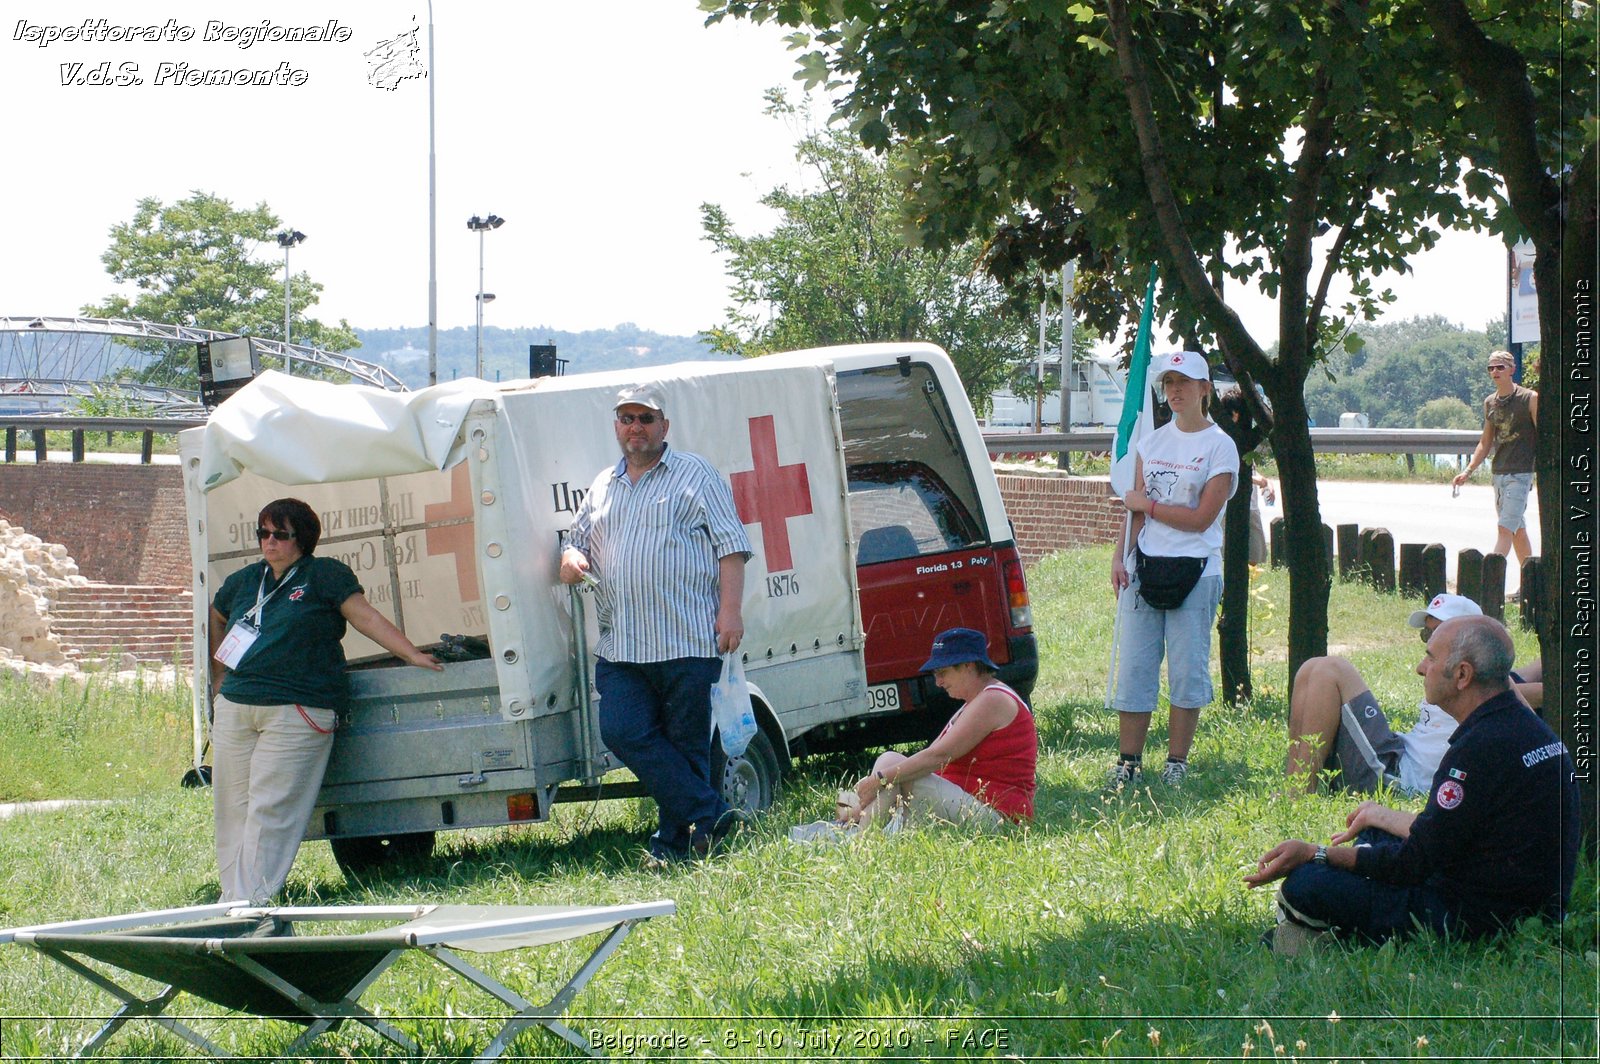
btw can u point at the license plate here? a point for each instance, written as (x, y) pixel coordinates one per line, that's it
(883, 698)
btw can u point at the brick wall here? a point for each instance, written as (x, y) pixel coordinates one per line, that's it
(123, 524)
(1054, 511)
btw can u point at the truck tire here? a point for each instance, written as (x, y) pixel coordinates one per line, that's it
(363, 854)
(749, 781)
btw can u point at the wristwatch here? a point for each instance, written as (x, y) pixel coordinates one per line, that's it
(1321, 856)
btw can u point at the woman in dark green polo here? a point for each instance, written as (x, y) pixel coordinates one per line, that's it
(275, 631)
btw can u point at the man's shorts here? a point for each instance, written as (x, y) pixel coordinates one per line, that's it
(1511, 499)
(1367, 751)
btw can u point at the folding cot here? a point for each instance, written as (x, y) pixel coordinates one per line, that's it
(219, 953)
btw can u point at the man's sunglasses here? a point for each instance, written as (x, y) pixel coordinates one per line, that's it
(643, 419)
(274, 533)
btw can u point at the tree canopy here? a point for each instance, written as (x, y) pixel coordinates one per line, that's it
(837, 269)
(1280, 145)
(1400, 368)
(193, 262)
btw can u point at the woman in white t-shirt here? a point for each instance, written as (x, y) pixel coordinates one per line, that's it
(1185, 473)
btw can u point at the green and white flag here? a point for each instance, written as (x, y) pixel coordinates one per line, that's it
(1136, 414)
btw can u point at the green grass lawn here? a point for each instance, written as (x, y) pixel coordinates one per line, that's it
(1110, 928)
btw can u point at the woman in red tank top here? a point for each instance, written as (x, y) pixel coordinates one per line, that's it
(980, 769)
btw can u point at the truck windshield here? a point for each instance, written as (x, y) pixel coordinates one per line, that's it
(911, 489)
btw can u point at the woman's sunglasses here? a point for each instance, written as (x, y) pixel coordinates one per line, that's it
(274, 533)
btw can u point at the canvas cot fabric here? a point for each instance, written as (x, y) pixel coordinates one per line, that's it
(654, 544)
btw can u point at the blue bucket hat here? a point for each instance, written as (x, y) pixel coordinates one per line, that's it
(957, 646)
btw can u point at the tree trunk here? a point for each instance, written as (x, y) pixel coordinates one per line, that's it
(1233, 624)
(1304, 552)
(1565, 470)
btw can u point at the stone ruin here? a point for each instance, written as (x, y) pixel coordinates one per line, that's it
(31, 571)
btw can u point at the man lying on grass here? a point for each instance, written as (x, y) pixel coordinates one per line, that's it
(1497, 841)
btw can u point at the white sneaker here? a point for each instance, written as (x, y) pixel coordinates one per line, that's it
(1173, 773)
(1290, 939)
(1123, 774)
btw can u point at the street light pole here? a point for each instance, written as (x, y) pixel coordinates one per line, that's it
(286, 240)
(481, 226)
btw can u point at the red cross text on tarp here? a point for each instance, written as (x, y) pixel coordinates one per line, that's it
(770, 494)
(454, 535)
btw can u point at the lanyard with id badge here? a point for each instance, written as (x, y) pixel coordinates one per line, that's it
(247, 629)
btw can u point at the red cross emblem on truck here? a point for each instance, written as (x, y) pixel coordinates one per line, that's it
(770, 494)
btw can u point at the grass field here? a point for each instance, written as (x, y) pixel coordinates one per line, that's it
(1113, 927)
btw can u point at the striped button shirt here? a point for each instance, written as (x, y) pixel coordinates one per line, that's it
(655, 546)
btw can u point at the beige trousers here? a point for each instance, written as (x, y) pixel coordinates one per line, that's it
(267, 765)
(928, 799)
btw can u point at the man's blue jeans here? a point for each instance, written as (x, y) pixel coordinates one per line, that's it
(1360, 907)
(656, 717)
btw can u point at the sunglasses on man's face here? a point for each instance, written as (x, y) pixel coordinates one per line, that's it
(643, 419)
(274, 533)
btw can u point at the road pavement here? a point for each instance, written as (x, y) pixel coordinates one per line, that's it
(1419, 513)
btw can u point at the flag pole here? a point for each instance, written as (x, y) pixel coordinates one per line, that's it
(1135, 422)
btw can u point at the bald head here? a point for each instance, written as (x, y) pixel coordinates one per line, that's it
(1468, 661)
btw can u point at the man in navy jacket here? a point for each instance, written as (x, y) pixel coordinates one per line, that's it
(1497, 841)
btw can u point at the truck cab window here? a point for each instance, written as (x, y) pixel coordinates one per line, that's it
(912, 490)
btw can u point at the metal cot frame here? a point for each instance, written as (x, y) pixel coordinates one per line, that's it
(209, 951)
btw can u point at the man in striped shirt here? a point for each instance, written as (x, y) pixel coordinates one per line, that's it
(660, 533)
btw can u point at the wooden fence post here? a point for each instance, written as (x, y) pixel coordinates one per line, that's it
(1349, 551)
(1380, 559)
(1434, 579)
(1411, 575)
(1532, 594)
(1469, 575)
(1494, 586)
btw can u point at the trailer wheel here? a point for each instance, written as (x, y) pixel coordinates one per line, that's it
(362, 854)
(749, 781)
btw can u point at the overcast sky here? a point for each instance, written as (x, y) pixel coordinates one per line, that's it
(596, 129)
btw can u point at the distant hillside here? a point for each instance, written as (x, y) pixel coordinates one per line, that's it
(505, 351)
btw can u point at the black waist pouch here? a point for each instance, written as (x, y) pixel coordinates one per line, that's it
(1165, 582)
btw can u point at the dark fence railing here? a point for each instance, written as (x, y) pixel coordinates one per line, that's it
(81, 428)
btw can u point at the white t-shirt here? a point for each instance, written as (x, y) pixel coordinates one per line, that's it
(1177, 467)
(1425, 747)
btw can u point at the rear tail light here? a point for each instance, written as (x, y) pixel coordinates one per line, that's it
(521, 807)
(1016, 589)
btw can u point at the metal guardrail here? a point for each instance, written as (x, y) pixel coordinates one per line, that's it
(1323, 441)
(80, 423)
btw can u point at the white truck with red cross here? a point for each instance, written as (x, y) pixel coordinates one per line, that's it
(862, 479)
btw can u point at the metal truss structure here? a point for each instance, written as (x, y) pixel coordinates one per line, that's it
(52, 365)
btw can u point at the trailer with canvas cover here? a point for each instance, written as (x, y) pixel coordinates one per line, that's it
(861, 477)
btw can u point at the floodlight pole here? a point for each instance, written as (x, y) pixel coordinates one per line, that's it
(433, 223)
(286, 240)
(482, 225)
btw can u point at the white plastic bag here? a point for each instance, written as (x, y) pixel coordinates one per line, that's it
(731, 713)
